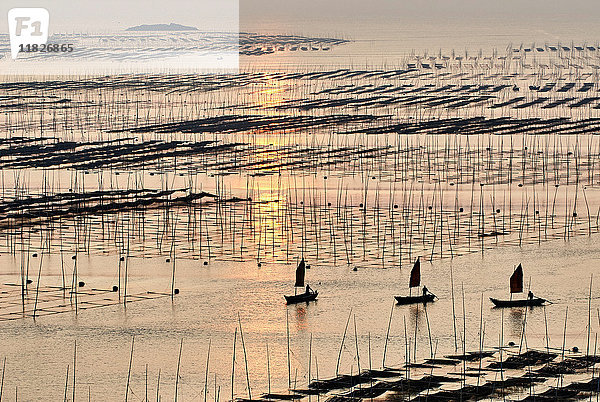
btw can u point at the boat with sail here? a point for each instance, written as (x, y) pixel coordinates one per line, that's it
(415, 281)
(309, 294)
(516, 286)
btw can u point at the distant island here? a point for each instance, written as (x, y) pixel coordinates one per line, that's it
(161, 27)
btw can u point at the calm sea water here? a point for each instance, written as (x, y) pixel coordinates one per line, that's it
(212, 296)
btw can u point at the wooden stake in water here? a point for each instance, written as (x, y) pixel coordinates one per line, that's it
(387, 335)
(66, 386)
(453, 310)
(245, 358)
(4, 371)
(178, 366)
(589, 326)
(129, 371)
(356, 345)
(269, 369)
(74, 366)
(289, 364)
(206, 373)
(337, 366)
(158, 387)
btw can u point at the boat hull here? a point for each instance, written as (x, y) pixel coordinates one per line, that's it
(536, 301)
(301, 298)
(414, 299)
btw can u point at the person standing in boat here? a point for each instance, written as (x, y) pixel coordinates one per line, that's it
(308, 289)
(530, 295)
(425, 291)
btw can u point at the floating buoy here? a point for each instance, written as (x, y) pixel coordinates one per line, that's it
(396, 206)
(81, 284)
(34, 255)
(328, 204)
(461, 209)
(574, 214)
(115, 288)
(575, 349)
(498, 211)
(29, 281)
(259, 265)
(205, 263)
(511, 343)
(361, 205)
(176, 291)
(122, 259)
(168, 260)
(355, 269)
(74, 257)
(520, 185)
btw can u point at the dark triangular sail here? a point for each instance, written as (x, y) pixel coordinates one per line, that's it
(300, 274)
(415, 274)
(516, 280)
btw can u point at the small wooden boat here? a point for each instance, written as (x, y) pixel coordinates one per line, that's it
(428, 298)
(415, 281)
(516, 286)
(309, 294)
(304, 297)
(536, 301)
